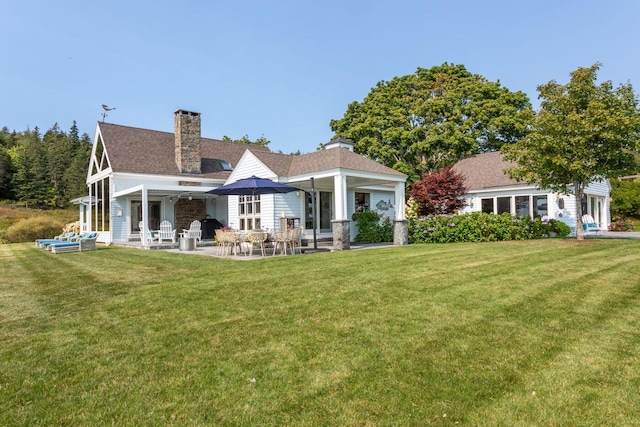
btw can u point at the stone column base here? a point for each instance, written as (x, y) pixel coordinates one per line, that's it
(341, 234)
(400, 232)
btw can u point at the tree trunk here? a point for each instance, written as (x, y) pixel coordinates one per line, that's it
(579, 193)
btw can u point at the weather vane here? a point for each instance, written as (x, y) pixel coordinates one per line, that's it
(106, 108)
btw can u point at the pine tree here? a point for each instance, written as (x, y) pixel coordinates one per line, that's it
(31, 181)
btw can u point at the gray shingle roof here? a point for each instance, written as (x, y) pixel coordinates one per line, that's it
(143, 151)
(485, 171)
(290, 165)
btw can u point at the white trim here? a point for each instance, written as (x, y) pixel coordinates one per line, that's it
(349, 173)
(130, 175)
(174, 188)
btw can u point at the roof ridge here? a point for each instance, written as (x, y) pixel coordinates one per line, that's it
(262, 148)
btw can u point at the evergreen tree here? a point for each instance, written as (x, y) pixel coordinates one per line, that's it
(76, 173)
(58, 152)
(6, 165)
(31, 180)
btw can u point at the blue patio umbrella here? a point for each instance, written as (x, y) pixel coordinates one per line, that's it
(252, 186)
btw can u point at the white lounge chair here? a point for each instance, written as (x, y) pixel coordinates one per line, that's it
(87, 243)
(590, 226)
(166, 232)
(151, 236)
(194, 231)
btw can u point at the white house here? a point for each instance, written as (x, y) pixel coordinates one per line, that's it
(491, 190)
(138, 178)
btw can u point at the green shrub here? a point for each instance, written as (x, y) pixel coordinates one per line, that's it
(558, 227)
(481, 227)
(625, 199)
(29, 229)
(373, 227)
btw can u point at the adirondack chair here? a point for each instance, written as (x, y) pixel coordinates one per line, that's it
(194, 231)
(151, 234)
(166, 232)
(590, 226)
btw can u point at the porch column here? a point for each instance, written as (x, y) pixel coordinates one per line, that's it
(341, 225)
(89, 213)
(144, 232)
(400, 225)
(340, 196)
(81, 216)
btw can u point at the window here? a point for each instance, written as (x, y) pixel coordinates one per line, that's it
(226, 166)
(522, 206)
(324, 211)
(100, 215)
(540, 208)
(487, 206)
(249, 212)
(504, 205)
(136, 215)
(308, 219)
(362, 202)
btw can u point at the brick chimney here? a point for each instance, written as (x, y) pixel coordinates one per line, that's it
(187, 132)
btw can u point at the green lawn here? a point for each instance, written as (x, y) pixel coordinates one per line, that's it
(542, 332)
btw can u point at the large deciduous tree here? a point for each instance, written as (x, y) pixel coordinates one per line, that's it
(430, 119)
(583, 132)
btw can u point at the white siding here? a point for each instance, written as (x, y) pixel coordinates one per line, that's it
(218, 208)
(375, 196)
(598, 188)
(119, 225)
(234, 222)
(566, 214)
(249, 165)
(289, 205)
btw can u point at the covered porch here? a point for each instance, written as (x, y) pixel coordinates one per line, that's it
(130, 213)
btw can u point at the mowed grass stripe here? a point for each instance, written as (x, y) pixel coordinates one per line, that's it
(397, 336)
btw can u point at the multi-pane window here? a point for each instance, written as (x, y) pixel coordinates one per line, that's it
(362, 202)
(249, 212)
(487, 206)
(522, 206)
(534, 206)
(540, 207)
(504, 205)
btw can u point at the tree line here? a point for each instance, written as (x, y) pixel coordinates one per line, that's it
(43, 170)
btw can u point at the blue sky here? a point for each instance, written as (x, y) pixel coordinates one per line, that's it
(283, 69)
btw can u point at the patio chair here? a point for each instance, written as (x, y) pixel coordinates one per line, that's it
(222, 241)
(282, 239)
(151, 234)
(256, 237)
(194, 231)
(296, 240)
(589, 225)
(166, 232)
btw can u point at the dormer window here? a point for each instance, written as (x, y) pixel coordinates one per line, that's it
(226, 166)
